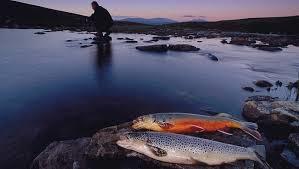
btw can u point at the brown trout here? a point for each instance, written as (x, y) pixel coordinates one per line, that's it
(182, 149)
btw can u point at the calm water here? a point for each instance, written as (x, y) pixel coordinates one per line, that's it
(54, 90)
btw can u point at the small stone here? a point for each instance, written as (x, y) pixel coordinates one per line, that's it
(120, 38)
(224, 41)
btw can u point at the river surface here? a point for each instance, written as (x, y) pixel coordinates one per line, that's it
(54, 90)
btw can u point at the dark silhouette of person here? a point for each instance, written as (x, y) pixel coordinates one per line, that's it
(102, 20)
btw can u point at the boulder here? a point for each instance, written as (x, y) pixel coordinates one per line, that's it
(63, 155)
(93, 153)
(183, 48)
(263, 84)
(153, 48)
(272, 111)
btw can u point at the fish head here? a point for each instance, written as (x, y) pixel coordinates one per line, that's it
(132, 141)
(149, 122)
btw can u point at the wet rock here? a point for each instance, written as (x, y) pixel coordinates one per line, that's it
(242, 41)
(263, 83)
(82, 153)
(39, 33)
(261, 98)
(249, 89)
(161, 38)
(183, 48)
(131, 41)
(70, 40)
(120, 38)
(85, 46)
(224, 41)
(153, 48)
(199, 41)
(290, 157)
(282, 113)
(63, 155)
(270, 49)
(212, 57)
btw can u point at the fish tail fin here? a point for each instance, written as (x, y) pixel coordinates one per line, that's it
(251, 129)
(260, 156)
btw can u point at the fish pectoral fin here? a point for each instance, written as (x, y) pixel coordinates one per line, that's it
(197, 129)
(165, 125)
(157, 151)
(224, 132)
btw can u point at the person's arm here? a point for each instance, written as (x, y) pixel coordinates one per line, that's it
(90, 18)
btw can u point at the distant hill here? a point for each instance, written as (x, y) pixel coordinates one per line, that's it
(15, 14)
(152, 21)
(282, 25)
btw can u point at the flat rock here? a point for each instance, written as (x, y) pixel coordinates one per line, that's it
(183, 48)
(91, 153)
(153, 48)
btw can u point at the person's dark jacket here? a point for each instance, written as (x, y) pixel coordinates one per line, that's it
(101, 18)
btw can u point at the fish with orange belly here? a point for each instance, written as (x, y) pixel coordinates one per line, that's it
(184, 123)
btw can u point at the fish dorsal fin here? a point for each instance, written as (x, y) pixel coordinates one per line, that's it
(156, 150)
(224, 115)
(165, 125)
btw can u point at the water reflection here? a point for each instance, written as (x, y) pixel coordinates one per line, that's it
(103, 56)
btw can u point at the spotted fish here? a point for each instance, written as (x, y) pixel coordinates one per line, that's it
(182, 149)
(182, 123)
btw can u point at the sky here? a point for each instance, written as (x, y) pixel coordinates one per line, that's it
(181, 10)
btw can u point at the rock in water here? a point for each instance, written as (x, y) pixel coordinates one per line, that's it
(224, 41)
(39, 33)
(161, 38)
(270, 49)
(85, 46)
(153, 48)
(249, 89)
(242, 41)
(131, 41)
(263, 84)
(89, 153)
(62, 155)
(213, 57)
(183, 48)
